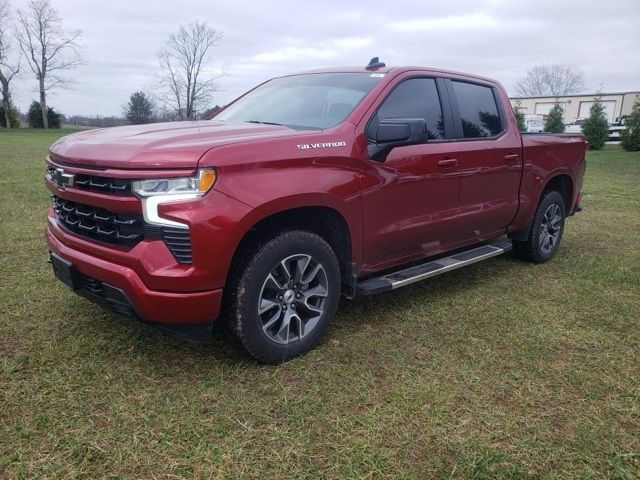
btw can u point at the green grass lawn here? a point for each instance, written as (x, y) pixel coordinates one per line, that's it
(500, 370)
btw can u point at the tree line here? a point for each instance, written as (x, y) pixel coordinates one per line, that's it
(34, 41)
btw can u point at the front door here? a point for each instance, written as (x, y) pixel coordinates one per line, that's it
(410, 200)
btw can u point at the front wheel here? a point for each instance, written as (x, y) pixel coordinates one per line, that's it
(546, 230)
(284, 298)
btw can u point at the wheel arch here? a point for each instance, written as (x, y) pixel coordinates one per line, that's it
(561, 182)
(323, 220)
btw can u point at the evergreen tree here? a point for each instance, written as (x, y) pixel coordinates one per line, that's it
(522, 125)
(34, 115)
(596, 127)
(554, 122)
(630, 136)
(139, 109)
(14, 117)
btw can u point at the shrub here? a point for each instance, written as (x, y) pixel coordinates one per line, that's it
(14, 117)
(596, 127)
(35, 116)
(554, 122)
(522, 125)
(630, 135)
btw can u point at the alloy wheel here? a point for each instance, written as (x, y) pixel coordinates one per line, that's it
(550, 228)
(292, 298)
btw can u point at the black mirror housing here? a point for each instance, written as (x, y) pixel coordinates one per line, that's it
(395, 132)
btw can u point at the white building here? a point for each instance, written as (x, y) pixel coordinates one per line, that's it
(577, 106)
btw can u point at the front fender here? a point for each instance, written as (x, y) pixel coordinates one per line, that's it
(350, 213)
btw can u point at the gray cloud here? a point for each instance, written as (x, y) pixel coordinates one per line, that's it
(498, 39)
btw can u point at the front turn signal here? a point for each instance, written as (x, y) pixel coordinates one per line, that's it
(206, 178)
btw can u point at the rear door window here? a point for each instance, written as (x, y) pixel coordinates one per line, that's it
(478, 110)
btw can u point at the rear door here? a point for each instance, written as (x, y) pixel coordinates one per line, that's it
(490, 159)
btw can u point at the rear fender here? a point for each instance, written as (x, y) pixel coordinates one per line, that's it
(529, 201)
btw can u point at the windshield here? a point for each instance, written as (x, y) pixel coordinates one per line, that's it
(312, 101)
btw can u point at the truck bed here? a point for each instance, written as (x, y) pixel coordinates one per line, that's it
(561, 149)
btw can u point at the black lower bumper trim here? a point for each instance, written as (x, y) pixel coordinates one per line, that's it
(115, 298)
(200, 333)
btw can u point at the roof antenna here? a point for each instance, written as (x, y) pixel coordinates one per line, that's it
(375, 64)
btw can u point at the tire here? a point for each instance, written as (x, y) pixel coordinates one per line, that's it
(546, 230)
(284, 296)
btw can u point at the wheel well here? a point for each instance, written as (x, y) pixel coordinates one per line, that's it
(564, 186)
(561, 184)
(323, 221)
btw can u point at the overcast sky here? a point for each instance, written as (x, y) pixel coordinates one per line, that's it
(262, 39)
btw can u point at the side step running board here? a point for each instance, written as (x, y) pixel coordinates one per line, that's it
(416, 273)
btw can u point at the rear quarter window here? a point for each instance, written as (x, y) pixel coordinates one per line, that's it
(478, 110)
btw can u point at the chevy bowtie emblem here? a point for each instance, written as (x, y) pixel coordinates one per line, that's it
(62, 178)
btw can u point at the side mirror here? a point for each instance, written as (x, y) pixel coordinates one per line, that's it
(396, 132)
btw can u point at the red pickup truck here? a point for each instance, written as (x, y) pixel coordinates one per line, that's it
(347, 181)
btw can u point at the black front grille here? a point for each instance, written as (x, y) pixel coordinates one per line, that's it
(119, 228)
(117, 186)
(99, 224)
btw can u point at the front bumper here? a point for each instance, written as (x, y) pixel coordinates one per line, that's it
(122, 289)
(146, 279)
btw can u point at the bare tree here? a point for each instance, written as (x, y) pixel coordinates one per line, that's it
(551, 81)
(8, 69)
(185, 80)
(48, 49)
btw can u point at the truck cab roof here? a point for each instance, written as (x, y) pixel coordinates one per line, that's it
(395, 70)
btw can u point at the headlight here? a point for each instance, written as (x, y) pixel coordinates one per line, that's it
(155, 191)
(198, 185)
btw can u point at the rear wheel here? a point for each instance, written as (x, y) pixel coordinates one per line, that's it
(284, 298)
(546, 230)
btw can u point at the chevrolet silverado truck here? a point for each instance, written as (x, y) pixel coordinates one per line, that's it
(346, 181)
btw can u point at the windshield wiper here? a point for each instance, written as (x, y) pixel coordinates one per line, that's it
(295, 127)
(264, 123)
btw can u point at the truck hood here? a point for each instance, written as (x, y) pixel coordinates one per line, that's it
(157, 145)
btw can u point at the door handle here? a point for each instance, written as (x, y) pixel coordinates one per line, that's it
(448, 163)
(512, 157)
